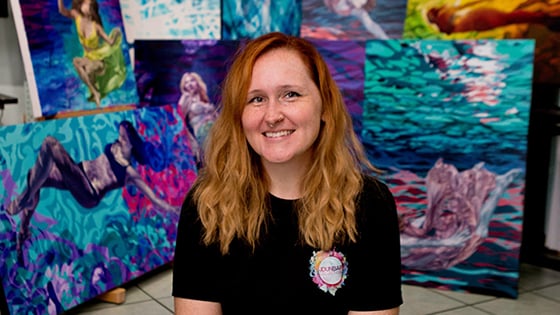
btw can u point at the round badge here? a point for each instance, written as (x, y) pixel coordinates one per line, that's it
(328, 269)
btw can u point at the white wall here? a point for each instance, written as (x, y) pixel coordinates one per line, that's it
(12, 74)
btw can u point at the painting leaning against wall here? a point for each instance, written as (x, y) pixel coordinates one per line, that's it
(88, 204)
(448, 122)
(75, 55)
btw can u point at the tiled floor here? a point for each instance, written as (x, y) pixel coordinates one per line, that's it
(539, 294)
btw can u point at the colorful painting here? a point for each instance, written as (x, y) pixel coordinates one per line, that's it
(447, 121)
(475, 19)
(250, 19)
(352, 20)
(345, 59)
(69, 70)
(88, 204)
(171, 19)
(187, 74)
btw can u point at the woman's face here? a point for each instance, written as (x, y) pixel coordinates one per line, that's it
(282, 116)
(85, 7)
(190, 85)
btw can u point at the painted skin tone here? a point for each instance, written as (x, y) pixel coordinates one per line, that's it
(281, 121)
(87, 69)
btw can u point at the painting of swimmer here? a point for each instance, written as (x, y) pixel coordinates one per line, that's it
(250, 19)
(447, 121)
(187, 74)
(476, 19)
(75, 55)
(171, 19)
(353, 19)
(88, 204)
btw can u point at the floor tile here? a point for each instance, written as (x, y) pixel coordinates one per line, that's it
(526, 303)
(534, 277)
(144, 308)
(420, 301)
(467, 310)
(158, 285)
(467, 298)
(552, 292)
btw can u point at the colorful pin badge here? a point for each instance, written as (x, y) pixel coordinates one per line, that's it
(328, 269)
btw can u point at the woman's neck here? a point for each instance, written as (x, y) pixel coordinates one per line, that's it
(286, 179)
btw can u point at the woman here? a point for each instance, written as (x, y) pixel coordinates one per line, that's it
(195, 106)
(285, 217)
(88, 181)
(102, 67)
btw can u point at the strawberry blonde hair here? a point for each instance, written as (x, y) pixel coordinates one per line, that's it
(231, 191)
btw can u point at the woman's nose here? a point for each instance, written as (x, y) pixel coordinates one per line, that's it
(273, 114)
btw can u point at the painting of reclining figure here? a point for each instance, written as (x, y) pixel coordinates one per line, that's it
(448, 122)
(89, 203)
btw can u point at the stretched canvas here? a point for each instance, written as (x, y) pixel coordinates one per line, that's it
(171, 19)
(187, 74)
(344, 20)
(250, 19)
(448, 122)
(62, 75)
(88, 204)
(494, 19)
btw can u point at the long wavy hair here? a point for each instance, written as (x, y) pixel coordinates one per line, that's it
(231, 191)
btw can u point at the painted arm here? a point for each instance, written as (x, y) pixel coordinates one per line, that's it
(195, 307)
(134, 177)
(63, 10)
(111, 40)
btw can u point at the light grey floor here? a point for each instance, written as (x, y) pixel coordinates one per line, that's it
(539, 294)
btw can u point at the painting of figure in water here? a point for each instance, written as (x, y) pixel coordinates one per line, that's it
(448, 122)
(88, 204)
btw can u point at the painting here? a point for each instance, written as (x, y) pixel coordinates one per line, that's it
(447, 121)
(171, 19)
(249, 19)
(88, 204)
(474, 19)
(188, 74)
(75, 56)
(345, 59)
(352, 20)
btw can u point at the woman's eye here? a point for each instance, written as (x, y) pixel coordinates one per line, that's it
(291, 94)
(256, 100)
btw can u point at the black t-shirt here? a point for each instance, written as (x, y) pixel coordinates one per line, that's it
(283, 276)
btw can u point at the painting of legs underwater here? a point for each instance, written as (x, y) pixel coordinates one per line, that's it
(448, 122)
(75, 55)
(88, 204)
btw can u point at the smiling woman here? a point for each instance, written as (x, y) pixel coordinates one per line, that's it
(287, 207)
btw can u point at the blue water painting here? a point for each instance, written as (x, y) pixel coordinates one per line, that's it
(447, 121)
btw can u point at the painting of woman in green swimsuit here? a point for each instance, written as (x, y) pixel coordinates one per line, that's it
(102, 66)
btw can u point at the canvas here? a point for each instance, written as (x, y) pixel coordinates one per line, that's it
(447, 121)
(494, 19)
(88, 204)
(187, 74)
(171, 19)
(345, 59)
(344, 20)
(250, 19)
(68, 72)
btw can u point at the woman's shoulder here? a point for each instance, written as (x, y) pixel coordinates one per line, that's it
(374, 185)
